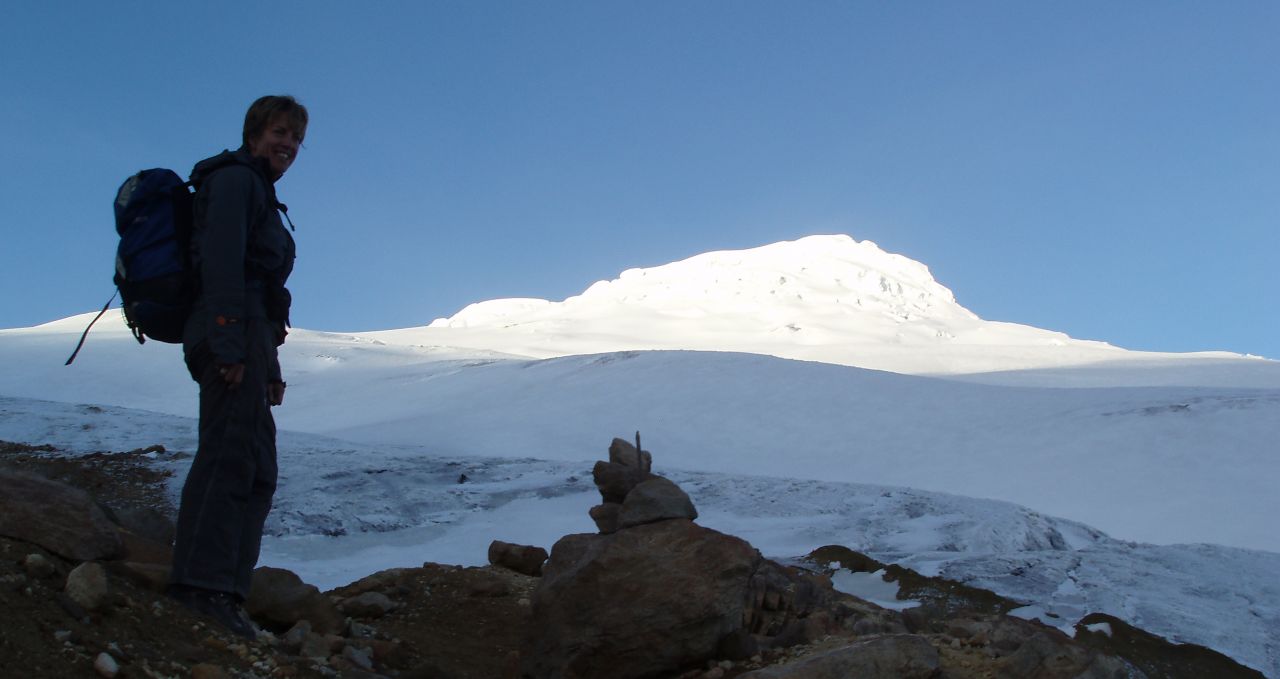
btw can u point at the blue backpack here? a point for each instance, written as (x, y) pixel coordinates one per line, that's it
(154, 213)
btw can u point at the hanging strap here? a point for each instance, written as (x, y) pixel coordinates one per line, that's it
(86, 330)
(284, 209)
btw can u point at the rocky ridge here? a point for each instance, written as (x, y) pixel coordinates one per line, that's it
(84, 553)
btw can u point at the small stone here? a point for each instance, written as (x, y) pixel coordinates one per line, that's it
(87, 585)
(335, 643)
(106, 666)
(368, 605)
(293, 638)
(615, 481)
(62, 636)
(360, 657)
(69, 605)
(313, 646)
(606, 517)
(622, 452)
(359, 630)
(38, 566)
(208, 671)
(715, 673)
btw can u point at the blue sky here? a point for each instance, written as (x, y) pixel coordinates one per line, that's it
(1109, 170)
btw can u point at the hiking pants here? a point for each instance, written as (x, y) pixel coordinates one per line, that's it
(228, 491)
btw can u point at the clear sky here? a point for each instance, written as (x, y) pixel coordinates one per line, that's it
(1106, 169)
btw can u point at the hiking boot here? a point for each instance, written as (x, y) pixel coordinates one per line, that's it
(220, 606)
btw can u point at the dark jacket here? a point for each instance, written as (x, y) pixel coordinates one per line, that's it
(243, 255)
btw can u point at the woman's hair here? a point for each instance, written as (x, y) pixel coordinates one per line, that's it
(265, 109)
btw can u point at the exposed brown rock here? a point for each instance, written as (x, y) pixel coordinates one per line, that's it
(616, 480)
(656, 499)
(638, 603)
(87, 586)
(526, 559)
(623, 453)
(56, 516)
(278, 599)
(606, 516)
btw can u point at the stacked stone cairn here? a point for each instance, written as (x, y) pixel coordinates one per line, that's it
(653, 594)
(632, 495)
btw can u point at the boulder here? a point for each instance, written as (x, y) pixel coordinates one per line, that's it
(642, 602)
(525, 559)
(56, 516)
(656, 499)
(899, 656)
(278, 599)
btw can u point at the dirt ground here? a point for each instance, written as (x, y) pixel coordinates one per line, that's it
(453, 622)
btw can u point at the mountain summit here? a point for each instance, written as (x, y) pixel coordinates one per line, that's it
(827, 298)
(816, 276)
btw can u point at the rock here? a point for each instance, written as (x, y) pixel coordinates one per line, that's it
(902, 656)
(623, 453)
(141, 549)
(279, 599)
(606, 516)
(208, 671)
(382, 580)
(56, 516)
(656, 499)
(153, 576)
(1154, 655)
(1041, 655)
(780, 599)
(738, 645)
(525, 559)
(314, 646)
(292, 640)
(39, 567)
(360, 657)
(368, 605)
(69, 605)
(615, 480)
(642, 602)
(87, 586)
(389, 653)
(106, 666)
(149, 524)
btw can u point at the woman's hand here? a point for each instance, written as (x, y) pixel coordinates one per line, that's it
(233, 374)
(275, 393)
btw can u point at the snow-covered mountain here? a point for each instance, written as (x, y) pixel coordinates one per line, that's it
(821, 298)
(901, 387)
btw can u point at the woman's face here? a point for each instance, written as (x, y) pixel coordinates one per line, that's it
(278, 144)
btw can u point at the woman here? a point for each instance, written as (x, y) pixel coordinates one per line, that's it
(243, 255)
